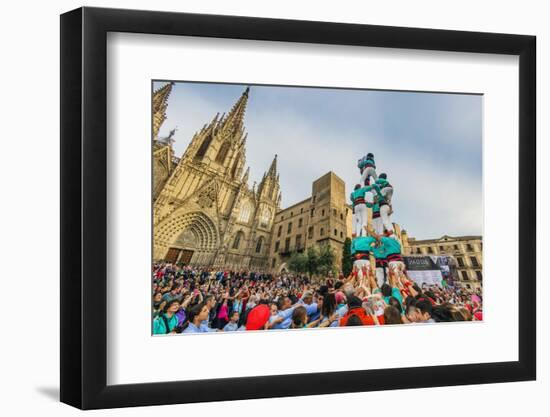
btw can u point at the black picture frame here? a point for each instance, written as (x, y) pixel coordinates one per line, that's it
(84, 207)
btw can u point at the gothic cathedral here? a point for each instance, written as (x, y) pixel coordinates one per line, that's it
(204, 212)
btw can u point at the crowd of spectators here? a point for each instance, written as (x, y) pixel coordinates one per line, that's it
(197, 300)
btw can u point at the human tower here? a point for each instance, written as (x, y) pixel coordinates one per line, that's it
(375, 248)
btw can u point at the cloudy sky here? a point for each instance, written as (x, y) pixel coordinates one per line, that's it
(430, 145)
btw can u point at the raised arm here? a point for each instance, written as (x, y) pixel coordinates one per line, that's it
(187, 301)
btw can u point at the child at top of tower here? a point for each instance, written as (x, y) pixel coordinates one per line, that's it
(367, 167)
(366, 161)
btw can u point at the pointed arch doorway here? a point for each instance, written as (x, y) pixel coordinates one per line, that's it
(193, 239)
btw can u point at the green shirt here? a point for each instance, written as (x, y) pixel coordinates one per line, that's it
(395, 293)
(382, 182)
(368, 161)
(360, 192)
(160, 328)
(362, 244)
(387, 246)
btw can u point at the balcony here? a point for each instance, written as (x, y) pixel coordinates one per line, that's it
(287, 251)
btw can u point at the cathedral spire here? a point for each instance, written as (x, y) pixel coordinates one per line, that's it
(160, 104)
(273, 168)
(235, 118)
(246, 175)
(269, 185)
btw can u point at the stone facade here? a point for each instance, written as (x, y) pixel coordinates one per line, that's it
(204, 212)
(467, 252)
(322, 219)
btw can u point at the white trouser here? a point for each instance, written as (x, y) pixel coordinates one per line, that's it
(354, 221)
(368, 172)
(385, 217)
(387, 193)
(361, 213)
(369, 197)
(360, 264)
(397, 266)
(377, 225)
(380, 276)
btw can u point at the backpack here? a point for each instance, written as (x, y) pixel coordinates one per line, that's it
(165, 320)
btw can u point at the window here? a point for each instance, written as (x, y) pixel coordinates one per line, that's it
(312, 212)
(335, 232)
(474, 261)
(237, 241)
(334, 212)
(203, 148)
(259, 244)
(273, 263)
(442, 248)
(322, 232)
(464, 275)
(430, 250)
(314, 199)
(222, 154)
(298, 242)
(279, 231)
(341, 235)
(469, 247)
(341, 216)
(244, 214)
(265, 218)
(310, 232)
(456, 247)
(289, 227)
(300, 222)
(287, 244)
(302, 210)
(460, 262)
(291, 213)
(323, 213)
(276, 246)
(479, 276)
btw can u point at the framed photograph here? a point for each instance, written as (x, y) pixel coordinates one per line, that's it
(291, 208)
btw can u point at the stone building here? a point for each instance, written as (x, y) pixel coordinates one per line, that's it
(324, 218)
(467, 252)
(163, 155)
(204, 212)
